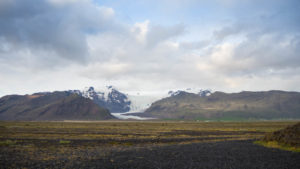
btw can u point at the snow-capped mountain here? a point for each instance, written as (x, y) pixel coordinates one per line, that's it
(108, 97)
(199, 92)
(119, 104)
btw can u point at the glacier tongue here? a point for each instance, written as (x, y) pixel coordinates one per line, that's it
(139, 103)
(124, 116)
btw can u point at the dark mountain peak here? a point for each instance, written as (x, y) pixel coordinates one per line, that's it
(178, 92)
(219, 92)
(108, 97)
(91, 89)
(200, 92)
(204, 93)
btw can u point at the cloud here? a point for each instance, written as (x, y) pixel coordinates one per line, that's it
(56, 27)
(230, 30)
(64, 2)
(259, 56)
(107, 70)
(263, 44)
(195, 45)
(158, 33)
(81, 42)
(141, 30)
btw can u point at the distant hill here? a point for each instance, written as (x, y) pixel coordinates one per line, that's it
(234, 106)
(51, 106)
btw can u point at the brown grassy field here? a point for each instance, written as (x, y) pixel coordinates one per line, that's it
(28, 144)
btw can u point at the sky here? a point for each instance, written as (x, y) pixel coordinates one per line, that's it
(149, 46)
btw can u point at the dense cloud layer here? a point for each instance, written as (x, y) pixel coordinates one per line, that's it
(51, 29)
(64, 44)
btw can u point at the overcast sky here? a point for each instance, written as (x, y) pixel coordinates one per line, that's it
(148, 45)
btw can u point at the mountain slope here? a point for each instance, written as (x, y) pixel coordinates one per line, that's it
(219, 105)
(51, 106)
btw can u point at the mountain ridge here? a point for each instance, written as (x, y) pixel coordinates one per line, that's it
(220, 105)
(180, 104)
(51, 106)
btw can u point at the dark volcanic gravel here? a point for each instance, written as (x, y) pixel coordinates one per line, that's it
(219, 155)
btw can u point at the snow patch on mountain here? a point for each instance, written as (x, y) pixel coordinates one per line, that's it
(107, 97)
(199, 92)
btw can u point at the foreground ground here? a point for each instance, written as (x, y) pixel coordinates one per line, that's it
(140, 145)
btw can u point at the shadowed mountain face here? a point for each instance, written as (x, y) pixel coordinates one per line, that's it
(219, 105)
(109, 98)
(51, 106)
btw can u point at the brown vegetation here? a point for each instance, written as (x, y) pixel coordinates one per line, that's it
(109, 144)
(289, 136)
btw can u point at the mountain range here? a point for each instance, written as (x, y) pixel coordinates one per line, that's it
(108, 102)
(219, 105)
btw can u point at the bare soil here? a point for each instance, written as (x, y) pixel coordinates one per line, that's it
(222, 155)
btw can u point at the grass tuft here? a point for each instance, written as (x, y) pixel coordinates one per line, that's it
(64, 142)
(275, 144)
(7, 143)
